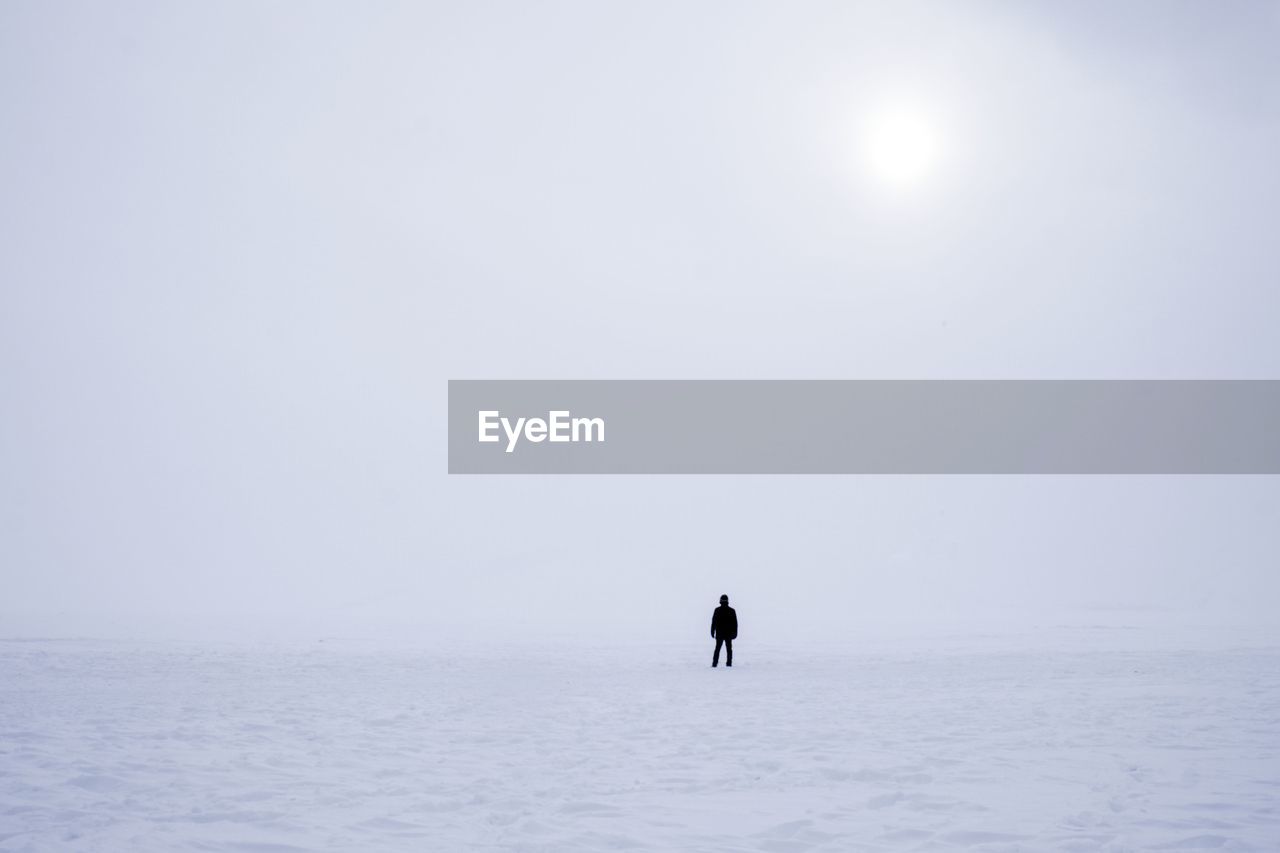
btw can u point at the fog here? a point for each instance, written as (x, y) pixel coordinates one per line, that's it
(243, 247)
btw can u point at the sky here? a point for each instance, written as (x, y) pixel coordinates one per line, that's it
(244, 246)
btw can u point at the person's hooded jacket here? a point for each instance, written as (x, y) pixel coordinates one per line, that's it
(724, 622)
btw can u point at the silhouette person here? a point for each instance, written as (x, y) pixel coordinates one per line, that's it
(724, 627)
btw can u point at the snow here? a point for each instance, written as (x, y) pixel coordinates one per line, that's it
(1097, 740)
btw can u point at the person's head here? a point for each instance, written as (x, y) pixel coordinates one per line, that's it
(724, 599)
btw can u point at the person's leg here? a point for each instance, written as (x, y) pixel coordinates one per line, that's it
(728, 652)
(715, 658)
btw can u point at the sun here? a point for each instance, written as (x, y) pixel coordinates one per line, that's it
(900, 147)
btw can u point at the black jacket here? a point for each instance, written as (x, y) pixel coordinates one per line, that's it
(724, 623)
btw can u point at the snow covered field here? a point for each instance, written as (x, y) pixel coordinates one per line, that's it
(1073, 741)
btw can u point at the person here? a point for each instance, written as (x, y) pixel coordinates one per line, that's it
(724, 627)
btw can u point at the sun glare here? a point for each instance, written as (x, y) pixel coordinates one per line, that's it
(900, 147)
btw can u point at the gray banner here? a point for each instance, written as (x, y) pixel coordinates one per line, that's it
(864, 427)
